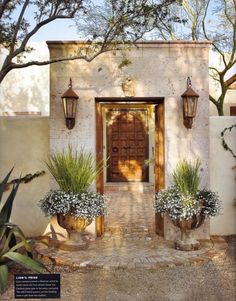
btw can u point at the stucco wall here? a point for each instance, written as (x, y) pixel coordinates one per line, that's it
(27, 89)
(223, 175)
(159, 69)
(24, 144)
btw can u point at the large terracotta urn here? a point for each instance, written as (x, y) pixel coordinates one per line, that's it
(74, 227)
(187, 242)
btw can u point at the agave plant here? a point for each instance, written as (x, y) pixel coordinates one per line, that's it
(14, 247)
(74, 171)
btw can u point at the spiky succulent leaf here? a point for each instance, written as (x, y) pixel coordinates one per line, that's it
(3, 277)
(25, 261)
(5, 213)
(4, 183)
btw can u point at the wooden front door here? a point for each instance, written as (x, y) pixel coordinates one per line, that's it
(127, 145)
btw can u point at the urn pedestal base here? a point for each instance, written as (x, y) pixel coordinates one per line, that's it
(74, 242)
(74, 228)
(187, 242)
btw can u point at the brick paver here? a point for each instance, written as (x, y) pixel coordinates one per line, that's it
(130, 240)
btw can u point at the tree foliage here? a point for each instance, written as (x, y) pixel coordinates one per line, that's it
(106, 25)
(215, 21)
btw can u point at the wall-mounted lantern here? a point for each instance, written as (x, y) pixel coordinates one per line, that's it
(190, 99)
(69, 103)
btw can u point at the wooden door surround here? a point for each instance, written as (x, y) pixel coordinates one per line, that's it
(159, 144)
(127, 144)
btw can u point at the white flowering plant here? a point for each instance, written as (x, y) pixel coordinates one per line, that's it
(183, 199)
(179, 206)
(86, 205)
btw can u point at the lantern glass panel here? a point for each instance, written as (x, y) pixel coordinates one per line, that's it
(69, 106)
(190, 106)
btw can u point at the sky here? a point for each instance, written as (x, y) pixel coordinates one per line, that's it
(62, 29)
(57, 30)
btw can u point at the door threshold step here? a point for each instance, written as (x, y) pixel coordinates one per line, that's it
(132, 186)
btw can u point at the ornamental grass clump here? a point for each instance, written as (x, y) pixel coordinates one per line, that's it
(74, 171)
(183, 199)
(186, 177)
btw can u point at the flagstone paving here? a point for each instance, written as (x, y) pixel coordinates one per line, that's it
(130, 240)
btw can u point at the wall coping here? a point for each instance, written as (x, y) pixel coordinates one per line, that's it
(146, 44)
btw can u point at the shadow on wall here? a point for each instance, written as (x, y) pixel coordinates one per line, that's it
(27, 89)
(154, 71)
(24, 144)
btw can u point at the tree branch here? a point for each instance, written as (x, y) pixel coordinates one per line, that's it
(72, 58)
(212, 99)
(3, 6)
(213, 68)
(226, 13)
(13, 42)
(35, 29)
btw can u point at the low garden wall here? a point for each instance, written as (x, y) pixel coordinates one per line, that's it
(24, 143)
(223, 174)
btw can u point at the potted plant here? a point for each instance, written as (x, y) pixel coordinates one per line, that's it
(74, 204)
(186, 204)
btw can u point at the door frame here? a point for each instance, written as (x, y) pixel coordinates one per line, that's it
(159, 169)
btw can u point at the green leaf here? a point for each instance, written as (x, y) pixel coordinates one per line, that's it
(25, 261)
(19, 233)
(17, 246)
(3, 184)
(5, 213)
(6, 241)
(3, 229)
(3, 277)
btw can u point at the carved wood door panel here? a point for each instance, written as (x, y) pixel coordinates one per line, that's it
(127, 145)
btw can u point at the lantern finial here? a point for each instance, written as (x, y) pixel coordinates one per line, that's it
(189, 84)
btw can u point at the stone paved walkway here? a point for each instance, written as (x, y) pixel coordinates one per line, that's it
(130, 211)
(211, 281)
(130, 240)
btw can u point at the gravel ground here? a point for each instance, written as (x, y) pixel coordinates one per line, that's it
(212, 281)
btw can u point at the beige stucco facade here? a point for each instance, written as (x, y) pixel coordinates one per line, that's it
(159, 69)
